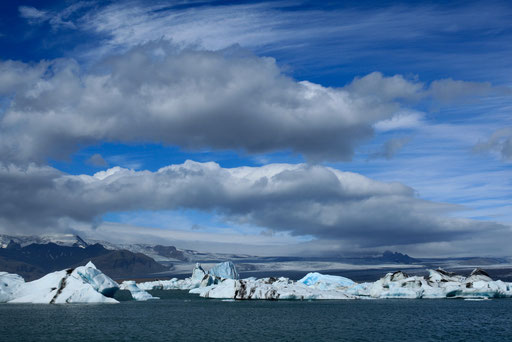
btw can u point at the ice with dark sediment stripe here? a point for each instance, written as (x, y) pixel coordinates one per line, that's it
(84, 284)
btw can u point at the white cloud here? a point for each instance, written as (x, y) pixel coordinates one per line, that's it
(401, 120)
(194, 99)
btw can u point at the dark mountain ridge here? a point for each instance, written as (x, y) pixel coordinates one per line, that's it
(36, 260)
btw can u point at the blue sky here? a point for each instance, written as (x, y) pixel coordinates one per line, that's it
(408, 95)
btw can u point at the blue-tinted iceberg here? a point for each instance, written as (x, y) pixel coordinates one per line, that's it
(325, 281)
(224, 270)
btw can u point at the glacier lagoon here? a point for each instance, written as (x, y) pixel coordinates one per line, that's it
(181, 316)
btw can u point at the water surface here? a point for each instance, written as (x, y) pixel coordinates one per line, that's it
(183, 317)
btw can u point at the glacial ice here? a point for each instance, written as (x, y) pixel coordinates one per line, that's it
(197, 274)
(267, 288)
(224, 270)
(87, 284)
(199, 278)
(9, 284)
(438, 284)
(84, 284)
(324, 281)
(222, 282)
(137, 293)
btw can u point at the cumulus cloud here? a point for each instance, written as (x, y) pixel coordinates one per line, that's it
(300, 199)
(194, 99)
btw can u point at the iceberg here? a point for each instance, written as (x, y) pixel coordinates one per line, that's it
(9, 284)
(224, 270)
(438, 284)
(87, 284)
(84, 284)
(324, 281)
(137, 293)
(267, 288)
(197, 274)
(199, 278)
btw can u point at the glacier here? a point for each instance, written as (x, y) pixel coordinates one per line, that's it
(84, 284)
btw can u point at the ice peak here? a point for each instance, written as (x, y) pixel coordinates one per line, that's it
(90, 264)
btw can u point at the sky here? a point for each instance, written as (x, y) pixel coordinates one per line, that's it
(268, 128)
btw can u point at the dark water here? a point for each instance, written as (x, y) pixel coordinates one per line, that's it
(182, 317)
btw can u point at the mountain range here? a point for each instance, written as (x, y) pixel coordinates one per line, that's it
(35, 256)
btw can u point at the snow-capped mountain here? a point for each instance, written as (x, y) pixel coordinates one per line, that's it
(33, 257)
(159, 253)
(69, 240)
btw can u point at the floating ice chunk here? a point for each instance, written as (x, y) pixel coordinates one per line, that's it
(224, 270)
(198, 279)
(222, 282)
(324, 281)
(197, 274)
(478, 275)
(9, 284)
(84, 284)
(101, 282)
(137, 293)
(267, 288)
(440, 275)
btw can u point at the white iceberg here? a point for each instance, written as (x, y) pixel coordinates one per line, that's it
(267, 288)
(222, 282)
(199, 278)
(439, 284)
(137, 293)
(84, 284)
(197, 274)
(9, 284)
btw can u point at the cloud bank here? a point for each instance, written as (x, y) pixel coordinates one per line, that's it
(194, 99)
(300, 199)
